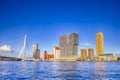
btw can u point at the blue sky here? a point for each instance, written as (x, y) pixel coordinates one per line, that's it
(45, 20)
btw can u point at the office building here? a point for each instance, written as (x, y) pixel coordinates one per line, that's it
(37, 56)
(36, 51)
(100, 44)
(69, 45)
(83, 54)
(56, 52)
(90, 53)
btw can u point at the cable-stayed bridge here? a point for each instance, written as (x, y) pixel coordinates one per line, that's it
(24, 50)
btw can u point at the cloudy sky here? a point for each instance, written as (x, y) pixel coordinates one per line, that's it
(45, 20)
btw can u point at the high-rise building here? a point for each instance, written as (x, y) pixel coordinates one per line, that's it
(100, 44)
(90, 53)
(37, 56)
(45, 55)
(83, 54)
(36, 51)
(56, 52)
(69, 45)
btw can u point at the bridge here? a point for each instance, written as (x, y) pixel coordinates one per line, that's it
(21, 56)
(23, 52)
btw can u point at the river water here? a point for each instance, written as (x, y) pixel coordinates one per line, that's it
(16, 70)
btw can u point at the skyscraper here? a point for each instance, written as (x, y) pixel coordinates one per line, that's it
(36, 51)
(100, 43)
(37, 56)
(69, 45)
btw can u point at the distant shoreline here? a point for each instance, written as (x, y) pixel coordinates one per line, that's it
(57, 61)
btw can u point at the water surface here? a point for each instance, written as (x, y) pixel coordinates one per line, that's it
(15, 70)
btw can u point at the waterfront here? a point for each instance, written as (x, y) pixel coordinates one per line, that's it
(13, 70)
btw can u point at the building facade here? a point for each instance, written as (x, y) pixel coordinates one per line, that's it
(45, 55)
(37, 56)
(99, 44)
(69, 45)
(107, 57)
(36, 51)
(56, 52)
(50, 57)
(83, 54)
(90, 53)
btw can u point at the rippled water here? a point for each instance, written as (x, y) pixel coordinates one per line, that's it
(13, 70)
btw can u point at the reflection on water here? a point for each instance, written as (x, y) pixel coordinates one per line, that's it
(13, 70)
(63, 70)
(100, 70)
(35, 70)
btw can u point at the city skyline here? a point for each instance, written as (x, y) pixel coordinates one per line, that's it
(45, 21)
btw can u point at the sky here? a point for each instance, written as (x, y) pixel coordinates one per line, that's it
(44, 21)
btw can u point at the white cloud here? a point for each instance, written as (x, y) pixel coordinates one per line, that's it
(6, 48)
(86, 44)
